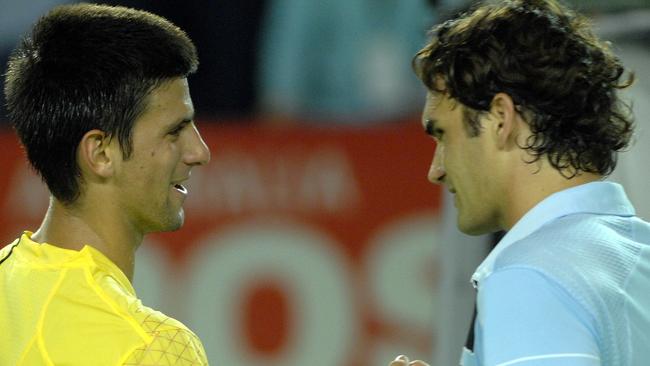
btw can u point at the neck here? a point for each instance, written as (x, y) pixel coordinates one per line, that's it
(74, 226)
(528, 190)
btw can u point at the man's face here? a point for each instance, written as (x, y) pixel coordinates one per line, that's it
(463, 164)
(166, 145)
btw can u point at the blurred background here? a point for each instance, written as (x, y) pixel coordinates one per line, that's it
(313, 236)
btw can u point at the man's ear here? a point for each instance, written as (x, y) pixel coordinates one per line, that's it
(96, 155)
(502, 109)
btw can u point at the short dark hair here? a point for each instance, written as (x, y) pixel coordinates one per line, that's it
(561, 77)
(88, 67)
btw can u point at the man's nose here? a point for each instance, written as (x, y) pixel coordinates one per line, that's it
(198, 152)
(437, 170)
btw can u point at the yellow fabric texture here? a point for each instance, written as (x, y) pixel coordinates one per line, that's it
(67, 307)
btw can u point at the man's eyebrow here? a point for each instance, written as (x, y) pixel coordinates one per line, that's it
(178, 126)
(182, 121)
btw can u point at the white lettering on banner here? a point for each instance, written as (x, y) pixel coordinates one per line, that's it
(28, 196)
(402, 271)
(310, 269)
(328, 182)
(327, 297)
(238, 181)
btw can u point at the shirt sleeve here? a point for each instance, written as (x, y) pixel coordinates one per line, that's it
(528, 319)
(169, 347)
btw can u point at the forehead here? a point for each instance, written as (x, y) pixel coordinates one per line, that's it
(171, 93)
(433, 98)
(168, 102)
(438, 103)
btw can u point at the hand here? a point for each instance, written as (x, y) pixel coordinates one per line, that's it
(402, 360)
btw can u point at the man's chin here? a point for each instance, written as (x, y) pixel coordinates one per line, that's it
(474, 228)
(178, 222)
(171, 223)
(471, 231)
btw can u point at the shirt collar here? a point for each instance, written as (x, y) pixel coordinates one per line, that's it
(600, 198)
(46, 254)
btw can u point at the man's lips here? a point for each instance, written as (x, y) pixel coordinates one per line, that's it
(181, 188)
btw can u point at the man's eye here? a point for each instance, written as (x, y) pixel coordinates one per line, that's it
(438, 133)
(177, 130)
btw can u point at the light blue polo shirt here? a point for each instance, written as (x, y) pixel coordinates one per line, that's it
(569, 284)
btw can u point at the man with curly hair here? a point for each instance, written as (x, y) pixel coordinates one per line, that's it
(523, 106)
(99, 98)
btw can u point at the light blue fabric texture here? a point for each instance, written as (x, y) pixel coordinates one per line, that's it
(569, 284)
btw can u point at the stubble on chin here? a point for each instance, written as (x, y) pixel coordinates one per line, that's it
(174, 222)
(166, 221)
(476, 226)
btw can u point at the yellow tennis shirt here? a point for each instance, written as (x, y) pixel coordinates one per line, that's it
(67, 307)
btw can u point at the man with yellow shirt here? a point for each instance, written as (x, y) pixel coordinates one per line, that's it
(99, 98)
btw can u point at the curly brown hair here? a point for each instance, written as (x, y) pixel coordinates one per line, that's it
(561, 77)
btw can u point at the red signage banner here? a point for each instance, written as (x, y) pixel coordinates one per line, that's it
(301, 245)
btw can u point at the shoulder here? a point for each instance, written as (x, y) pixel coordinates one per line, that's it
(154, 322)
(579, 263)
(6, 250)
(170, 342)
(565, 282)
(590, 257)
(583, 245)
(82, 316)
(95, 311)
(149, 321)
